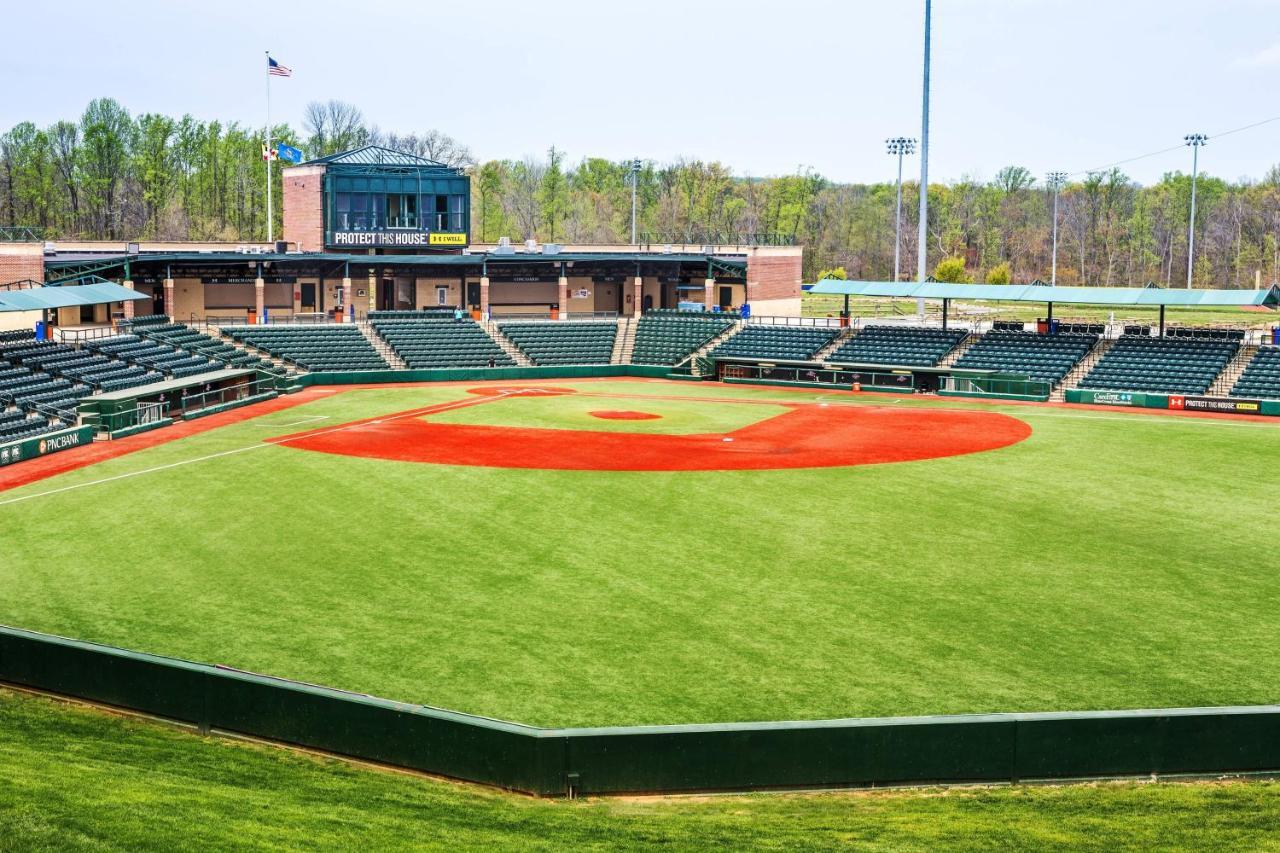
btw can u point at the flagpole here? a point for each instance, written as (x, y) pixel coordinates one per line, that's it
(271, 236)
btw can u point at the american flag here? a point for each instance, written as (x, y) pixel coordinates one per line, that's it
(277, 69)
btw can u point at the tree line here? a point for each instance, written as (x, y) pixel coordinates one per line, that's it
(111, 175)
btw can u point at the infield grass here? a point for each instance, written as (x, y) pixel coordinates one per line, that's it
(1111, 560)
(73, 779)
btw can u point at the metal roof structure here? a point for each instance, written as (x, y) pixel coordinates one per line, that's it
(374, 155)
(1131, 296)
(48, 298)
(80, 264)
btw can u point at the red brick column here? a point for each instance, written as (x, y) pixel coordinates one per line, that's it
(128, 303)
(562, 296)
(484, 296)
(169, 299)
(638, 307)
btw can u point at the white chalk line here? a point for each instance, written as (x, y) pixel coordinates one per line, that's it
(443, 407)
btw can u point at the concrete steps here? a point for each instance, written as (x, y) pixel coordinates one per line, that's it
(505, 343)
(840, 340)
(624, 344)
(1226, 380)
(957, 352)
(693, 358)
(380, 344)
(1081, 370)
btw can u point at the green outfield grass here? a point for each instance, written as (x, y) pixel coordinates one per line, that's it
(1112, 560)
(73, 779)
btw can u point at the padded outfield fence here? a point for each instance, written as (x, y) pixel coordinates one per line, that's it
(570, 762)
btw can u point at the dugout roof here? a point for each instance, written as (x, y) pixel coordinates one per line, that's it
(1130, 296)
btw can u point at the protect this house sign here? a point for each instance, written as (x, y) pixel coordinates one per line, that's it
(396, 239)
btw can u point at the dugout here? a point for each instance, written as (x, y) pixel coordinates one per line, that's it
(116, 414)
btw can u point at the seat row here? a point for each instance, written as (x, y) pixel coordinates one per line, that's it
(313, 347)
(898, 345)
(1047, 358)
(431, 342)
(666, 336)
(778, 342)
(563, 343)
(1163, 365)
(1261, 377)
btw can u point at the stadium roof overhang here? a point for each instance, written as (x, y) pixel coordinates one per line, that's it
(48, 298)
(1130, 296)
(61, 269)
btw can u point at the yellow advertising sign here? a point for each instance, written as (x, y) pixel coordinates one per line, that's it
(447, 239)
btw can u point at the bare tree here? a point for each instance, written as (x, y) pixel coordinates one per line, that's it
(432, 144)
(333, 126)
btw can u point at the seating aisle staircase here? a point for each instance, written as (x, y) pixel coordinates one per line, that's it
(838, 341)
(1081, 370)
(491, 328)
(694, 359)
(1226, 380)
(380, 344)
(624, 344)
(960, 349)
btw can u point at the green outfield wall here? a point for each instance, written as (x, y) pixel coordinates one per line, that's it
(744, 756)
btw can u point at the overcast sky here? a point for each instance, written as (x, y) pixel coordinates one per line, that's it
(765, 87)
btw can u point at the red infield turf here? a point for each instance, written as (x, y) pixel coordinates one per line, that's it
(808, 436)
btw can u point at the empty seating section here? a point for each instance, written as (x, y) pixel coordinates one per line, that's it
(780, 342)
(313, 347)
(1261, 378)
(183, 337)
(898, 345)
(441, 341)
(563, 342)
(667, 336)
(1161, 365)
(1046, 358)
(158, 357)
(29, 396)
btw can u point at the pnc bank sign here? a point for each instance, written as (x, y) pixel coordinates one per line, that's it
(395, 239)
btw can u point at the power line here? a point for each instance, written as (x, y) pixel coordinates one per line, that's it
(1174, 147)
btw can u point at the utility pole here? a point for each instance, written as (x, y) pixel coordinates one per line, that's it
(922, 250)
(1056, 180)
(635, 179)
(899, 146)
(1195, 140)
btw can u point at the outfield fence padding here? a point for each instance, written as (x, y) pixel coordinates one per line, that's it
(741, 756)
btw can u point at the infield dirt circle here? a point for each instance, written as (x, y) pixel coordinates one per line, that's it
(808, 435)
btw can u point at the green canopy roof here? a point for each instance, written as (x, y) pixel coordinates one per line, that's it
(1149, 296)
(45, 298)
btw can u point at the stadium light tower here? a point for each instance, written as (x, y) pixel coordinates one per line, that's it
(1056, 180)
(1195, 140)
(634, 173)
(922, 250)
(899, 146)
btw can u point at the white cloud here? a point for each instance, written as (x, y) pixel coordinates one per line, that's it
(1268, 57)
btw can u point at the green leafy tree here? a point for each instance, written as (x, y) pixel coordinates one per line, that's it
(951, 270)
(1000, 274)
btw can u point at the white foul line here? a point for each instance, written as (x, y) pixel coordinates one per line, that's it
(444, 407)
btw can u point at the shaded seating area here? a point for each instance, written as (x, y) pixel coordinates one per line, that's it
(313, 347)
(1261, 378)
(559, 342)
(668, 336)
(1045, 358)
(898, 345)
(1161, 365)
(780, 342)
(441, 342)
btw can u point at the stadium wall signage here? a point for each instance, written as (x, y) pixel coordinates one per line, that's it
(1215, 404)
(44, 445)
(395, 239)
